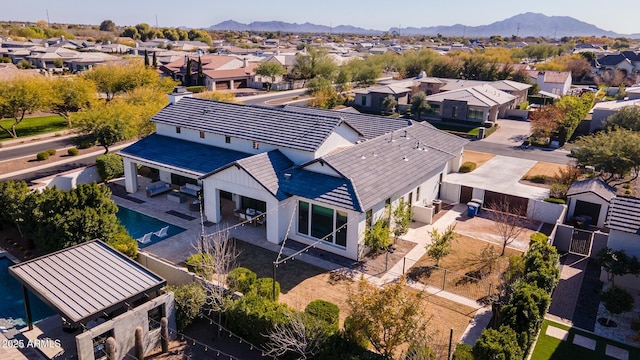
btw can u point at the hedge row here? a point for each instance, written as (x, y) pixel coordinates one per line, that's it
(521, 317)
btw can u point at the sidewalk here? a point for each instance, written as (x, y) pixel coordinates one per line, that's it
(29, 140)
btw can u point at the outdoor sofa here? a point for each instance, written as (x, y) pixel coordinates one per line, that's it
(157, 188)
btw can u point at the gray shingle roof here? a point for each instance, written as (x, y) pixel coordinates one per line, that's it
(370, 126)
(596, 186)
(279, 127)
(194, 157)
(382, 167)
(83, 281)
(624, 215)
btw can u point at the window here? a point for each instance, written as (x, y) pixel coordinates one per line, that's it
(256, 145)
(303, 217)
(454, 111)
(418, 194)
(476, 114)
(363, 101)
(341, 228)
(227, 139)
(155, 315)
(99, 350)
(435, 108)
(177, 129)
(321, 222)
(201, 134)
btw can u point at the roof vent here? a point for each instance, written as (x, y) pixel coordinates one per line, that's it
(287, 176)
(362, 157)
(405, 158)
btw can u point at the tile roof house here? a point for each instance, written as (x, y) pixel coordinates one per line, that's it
(554, 82)
(372, 98)
(315, 173)
(602, 111)
(221, 72)
(479, 104)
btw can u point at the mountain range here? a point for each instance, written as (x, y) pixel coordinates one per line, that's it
(527, 24)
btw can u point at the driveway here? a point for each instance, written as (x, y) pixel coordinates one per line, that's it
(510, 132)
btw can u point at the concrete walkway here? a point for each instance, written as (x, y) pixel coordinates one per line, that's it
(565, 296)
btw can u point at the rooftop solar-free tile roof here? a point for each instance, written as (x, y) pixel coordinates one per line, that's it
(274, 126)
(83, 281)
(623, 215)
(193, 157)
(596, 186)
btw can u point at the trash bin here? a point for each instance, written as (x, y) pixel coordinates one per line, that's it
(472, 209)
(437, 205)
(479, 202)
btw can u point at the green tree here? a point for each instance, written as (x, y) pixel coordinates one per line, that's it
(419, 105)
(616, 300)
(401, 218)
(189, 300)
(109, 166)
(187, 73)
(116, 79)
(343, 80)
(124, 243)
(441, 243)
(146, 58)
(270, 69)
(108, 25)
(108, 124)
(21, 96)
(497, 344)
(546, 121)
(315, 63)
(389, 316)
(627, 118)
(389, 104)
(154, 60)
(71, 95)
(576, 109)
(13, 196)
(378, 236)
(614, 154)
(525, 312)
(130, 32)
(200, 81)
(617, 263)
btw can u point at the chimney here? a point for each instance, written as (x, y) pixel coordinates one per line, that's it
(178, 93)
(245, 63)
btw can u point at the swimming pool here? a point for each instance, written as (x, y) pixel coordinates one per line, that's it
(12, 313)
(138, 225)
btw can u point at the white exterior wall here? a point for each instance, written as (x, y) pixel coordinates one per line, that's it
(237, 181)
(551, 213)
(620, 240)
(342, 136)
(450, 192)
(590, 198)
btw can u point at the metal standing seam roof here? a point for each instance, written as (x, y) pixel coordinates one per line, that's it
(382, 167)
(182, 154)
(274, 126)
(84, 281)
(595, 186)
(624, 215)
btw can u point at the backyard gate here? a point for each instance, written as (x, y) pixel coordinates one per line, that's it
(581, 241)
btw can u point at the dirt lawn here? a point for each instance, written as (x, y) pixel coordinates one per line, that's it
(544, 168)
(477, 157)
(301, 283)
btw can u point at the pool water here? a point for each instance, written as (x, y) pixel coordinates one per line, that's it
(138, 225)
(12, 312)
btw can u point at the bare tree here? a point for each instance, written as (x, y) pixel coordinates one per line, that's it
(295, 335)
(508, 220)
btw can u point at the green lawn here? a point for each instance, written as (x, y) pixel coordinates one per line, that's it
(550, 348)
(34, 126)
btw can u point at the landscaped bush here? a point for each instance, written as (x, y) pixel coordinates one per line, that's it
(189, 299)
(124, 243)
(201, 265)
(538, 179)
(264, 287)
(463, 352)
(467, 167)
(325, 311)
(538, 237)
(252, 316)
(51, 152)
(353, 334)
(196, 89)
(110, 166)
(73, 151)
(241, 279)
(84, 141)
(348, 350)
(525, 312)
(43, 155)
(555, 200)
(498, 344)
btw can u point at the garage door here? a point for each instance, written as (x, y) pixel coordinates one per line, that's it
(222, 85)
(466, 193)
(517, 205)
(237, 84)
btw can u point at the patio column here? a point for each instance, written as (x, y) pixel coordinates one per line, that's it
(27, 307)
(130, 176)
(212, 204)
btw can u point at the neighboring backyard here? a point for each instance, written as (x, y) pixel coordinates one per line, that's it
(300, 283)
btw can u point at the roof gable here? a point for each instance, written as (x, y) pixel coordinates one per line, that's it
(595, 186)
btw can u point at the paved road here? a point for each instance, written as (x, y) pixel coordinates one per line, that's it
(269, 99)
(538, 154)
(54, 169)
(18, 151)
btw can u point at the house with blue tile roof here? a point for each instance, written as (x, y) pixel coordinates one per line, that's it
(320, 176)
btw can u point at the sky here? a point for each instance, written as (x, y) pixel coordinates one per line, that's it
(619, 16)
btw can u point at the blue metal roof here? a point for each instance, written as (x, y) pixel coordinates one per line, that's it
(182, 154)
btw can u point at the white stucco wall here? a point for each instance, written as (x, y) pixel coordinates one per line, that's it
(620, 240)
(342, 136)
(590, 198)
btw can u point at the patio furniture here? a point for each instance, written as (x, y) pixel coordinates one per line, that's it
(176, 197)
(157, 188)
(162, 232)
(260, 219)
(195, 205)
(145, 239)
(191, 189)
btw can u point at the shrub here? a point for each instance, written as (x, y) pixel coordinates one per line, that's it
(51, 152)
(538, 179)
(84, 141)
(555, 200)
(201, 265)
(353, 334)
(559, 191)
(110, 166)
(523, 105)
(124, 243)
(73, 151)
(189, 299)
(325, 311)
(241, 279)
(538, 237)
(44, 155)
(497, 344)
(463, 352)
(467, 167)
(252, 316)
(196, 89)
(525, 311)
(263, 287)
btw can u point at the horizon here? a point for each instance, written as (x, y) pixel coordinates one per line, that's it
(333, 13)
